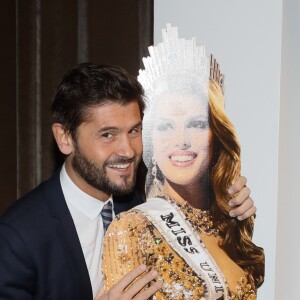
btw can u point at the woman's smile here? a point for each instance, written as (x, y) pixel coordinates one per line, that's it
(182, 158)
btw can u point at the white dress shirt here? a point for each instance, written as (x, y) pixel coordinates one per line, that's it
(85, 211)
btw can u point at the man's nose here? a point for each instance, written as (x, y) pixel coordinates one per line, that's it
(125, 148)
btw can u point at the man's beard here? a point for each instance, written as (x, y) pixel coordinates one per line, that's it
(96, 175)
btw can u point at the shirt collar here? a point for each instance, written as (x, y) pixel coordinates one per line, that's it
(85, 203)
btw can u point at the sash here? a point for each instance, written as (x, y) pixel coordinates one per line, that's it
(179, 234)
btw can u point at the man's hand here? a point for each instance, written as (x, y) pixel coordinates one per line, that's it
(117, 292)
(243, 205)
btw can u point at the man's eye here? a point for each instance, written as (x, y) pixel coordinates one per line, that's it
(135, 131)
(197, 124)
(164, 127)
(107, 135)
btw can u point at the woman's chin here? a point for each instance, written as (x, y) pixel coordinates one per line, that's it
(182, 181)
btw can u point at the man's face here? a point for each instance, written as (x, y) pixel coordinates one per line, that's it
(108, 148)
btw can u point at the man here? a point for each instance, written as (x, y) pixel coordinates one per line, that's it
(50, 240)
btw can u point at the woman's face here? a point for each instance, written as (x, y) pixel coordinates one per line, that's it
(182, 139)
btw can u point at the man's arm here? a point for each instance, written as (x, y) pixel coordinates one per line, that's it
(242, 205)
(16, 273)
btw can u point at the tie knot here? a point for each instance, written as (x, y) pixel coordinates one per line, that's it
(106, 214)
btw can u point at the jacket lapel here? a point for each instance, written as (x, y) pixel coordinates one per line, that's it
(67, 231)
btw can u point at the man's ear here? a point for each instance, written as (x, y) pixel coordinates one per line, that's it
(63, 139)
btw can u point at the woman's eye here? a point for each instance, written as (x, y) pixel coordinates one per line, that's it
(164, 126)
(201, 124)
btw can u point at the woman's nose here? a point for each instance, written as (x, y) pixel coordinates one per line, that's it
(182, 140)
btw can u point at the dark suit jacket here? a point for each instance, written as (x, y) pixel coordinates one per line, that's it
(40, 253)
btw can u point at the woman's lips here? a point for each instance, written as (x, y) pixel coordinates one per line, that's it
(182, 158)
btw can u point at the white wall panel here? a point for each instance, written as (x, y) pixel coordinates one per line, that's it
(288, 224)
(245, 37)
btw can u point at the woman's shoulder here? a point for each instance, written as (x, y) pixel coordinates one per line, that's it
(129, 220)
(131, 215)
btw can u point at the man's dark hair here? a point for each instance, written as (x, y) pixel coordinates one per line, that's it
(88, 85)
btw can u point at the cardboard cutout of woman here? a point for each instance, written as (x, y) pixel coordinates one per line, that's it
(193, 156)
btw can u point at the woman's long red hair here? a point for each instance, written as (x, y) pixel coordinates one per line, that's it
(236, 235)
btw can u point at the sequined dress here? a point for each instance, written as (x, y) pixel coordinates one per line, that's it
(132, 240)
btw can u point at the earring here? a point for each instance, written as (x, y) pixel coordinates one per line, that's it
(155, 181)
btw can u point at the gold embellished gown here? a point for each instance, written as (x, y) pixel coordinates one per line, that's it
(132, 240)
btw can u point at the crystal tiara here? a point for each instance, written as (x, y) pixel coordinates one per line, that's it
(174, 56)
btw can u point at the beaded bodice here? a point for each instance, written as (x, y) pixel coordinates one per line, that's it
(132, 240)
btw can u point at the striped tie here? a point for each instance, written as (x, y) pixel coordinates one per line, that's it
(106, 214)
